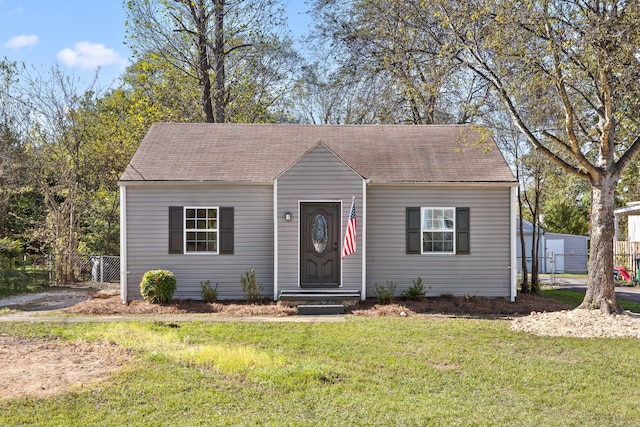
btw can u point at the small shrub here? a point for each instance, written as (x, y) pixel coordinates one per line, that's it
(385, 293)
(416, 292)
(158, 286)
(250, 286)
(209, 294)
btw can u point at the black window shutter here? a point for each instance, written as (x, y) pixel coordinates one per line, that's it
(226, 231)
(414, 240)
(463, 245)
(176, 223)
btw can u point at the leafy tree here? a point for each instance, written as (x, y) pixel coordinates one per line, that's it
(629, 187)
(151, 92)
(568, 77)
(565, 218)
(10, 170)
(55, 155)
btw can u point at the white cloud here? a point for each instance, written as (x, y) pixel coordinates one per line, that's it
(89, 55)
(21, 41)
(15, 12)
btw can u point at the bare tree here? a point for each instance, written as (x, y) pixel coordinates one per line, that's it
(219, 44)
(373, 48)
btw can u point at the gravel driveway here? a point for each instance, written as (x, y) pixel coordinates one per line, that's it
(52, 298)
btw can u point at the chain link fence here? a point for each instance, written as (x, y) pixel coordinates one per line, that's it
(626, 266)
(43, 270)
(86, 268)
(571, 263)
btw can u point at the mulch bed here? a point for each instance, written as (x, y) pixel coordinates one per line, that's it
(102, 304)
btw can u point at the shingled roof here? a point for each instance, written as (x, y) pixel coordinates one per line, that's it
(260, 152)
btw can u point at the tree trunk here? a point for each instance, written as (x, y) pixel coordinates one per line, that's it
(535, 242)
(200, 19)
(601, 292)
(524, 282)
(218, 61)
(205, 81)
(535, 257)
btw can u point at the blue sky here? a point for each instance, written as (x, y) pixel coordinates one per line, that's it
(80, 35)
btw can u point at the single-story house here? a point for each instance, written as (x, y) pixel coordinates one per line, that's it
(212, 201)
(557, 252)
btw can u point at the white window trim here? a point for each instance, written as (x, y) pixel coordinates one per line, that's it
(423, 230)
(185, 230)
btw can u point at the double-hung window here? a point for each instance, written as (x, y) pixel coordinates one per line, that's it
(201, 230)
(438, 230)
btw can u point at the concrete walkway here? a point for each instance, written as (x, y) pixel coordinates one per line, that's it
(200, 317)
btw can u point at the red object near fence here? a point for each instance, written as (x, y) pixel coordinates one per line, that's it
(622, 272)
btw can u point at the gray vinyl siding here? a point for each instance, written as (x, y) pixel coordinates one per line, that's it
(147, 238)
(318, 176)
(485, 272)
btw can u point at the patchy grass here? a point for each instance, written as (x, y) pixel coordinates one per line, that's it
(364, 371)
(4, 311)
(573, 299)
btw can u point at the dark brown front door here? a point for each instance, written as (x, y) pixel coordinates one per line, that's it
(319, 245)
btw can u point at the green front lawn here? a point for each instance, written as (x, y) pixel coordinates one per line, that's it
(372, 371)
(574, 299)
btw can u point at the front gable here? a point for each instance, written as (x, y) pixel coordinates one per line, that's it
(318, 162)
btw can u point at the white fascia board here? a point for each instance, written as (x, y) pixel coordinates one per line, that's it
(363, 241)
(123, 244)
(514, 269)
(275, 239)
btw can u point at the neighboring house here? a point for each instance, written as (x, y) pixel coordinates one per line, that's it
(211, 201)
(627, 252)
(632, 212)
(559, 253)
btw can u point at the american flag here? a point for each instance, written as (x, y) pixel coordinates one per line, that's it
(349, 245)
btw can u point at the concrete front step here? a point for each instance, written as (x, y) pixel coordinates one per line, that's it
(320, 309)
(297, 297)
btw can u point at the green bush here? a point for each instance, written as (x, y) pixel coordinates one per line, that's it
(250, 286)
(158, 286)
(416, 292)
(209, 294)
(385, 293)
(10, 256)
(10, 253)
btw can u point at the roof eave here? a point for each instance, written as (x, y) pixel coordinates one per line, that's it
(178, 183)
(448, 183)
